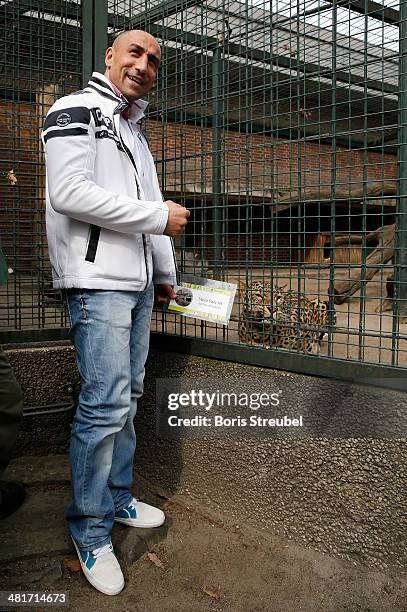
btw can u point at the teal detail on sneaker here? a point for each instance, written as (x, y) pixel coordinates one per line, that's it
(102, 569)
(128, 512)
(139, 514)
(88, 558)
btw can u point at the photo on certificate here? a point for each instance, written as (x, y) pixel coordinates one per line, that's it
(204, 298)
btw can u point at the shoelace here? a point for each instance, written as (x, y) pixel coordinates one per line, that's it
(133, 503)
(99, 552)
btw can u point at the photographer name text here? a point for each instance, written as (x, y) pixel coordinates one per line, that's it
(238, 421)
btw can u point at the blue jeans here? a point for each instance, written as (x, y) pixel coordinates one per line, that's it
(110, 331)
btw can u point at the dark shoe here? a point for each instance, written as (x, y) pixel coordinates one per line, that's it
(12, 495)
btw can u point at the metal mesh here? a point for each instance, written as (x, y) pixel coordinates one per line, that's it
(277, 125)
(41, 60)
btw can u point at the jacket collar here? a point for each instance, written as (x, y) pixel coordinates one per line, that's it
(104, 87)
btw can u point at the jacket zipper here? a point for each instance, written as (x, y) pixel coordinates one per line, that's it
(177, 277)
(131, 158)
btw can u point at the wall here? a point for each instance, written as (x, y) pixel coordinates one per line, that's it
(260, 164)
(346, 497)
(285, 161)
(252, 163)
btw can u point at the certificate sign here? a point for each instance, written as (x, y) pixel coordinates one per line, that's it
(204, 298)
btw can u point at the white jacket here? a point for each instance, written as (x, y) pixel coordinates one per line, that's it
(103, 232)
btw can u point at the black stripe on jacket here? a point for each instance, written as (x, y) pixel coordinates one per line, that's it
(77, 131)
(93, 243)
(64, 117)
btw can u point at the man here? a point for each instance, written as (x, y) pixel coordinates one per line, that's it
(108, 236)
(12, 494)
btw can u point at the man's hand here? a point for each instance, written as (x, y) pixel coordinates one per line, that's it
(163, 294)
(177, 219)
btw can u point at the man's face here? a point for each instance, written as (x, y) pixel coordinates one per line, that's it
(132, 63)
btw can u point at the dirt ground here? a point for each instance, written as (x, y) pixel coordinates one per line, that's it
(208, 564)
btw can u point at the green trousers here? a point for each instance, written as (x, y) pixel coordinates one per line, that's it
(11, 410)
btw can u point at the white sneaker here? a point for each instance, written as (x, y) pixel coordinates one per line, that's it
(102, 569)
(139, 514)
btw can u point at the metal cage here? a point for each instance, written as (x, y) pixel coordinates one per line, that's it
(281, 126)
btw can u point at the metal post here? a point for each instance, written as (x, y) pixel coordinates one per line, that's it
(400, 251)
(100, 34)
(87, 40)
(217, 110)
(333, 169)
(94, 37)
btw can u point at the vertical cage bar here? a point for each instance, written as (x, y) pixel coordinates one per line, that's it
(401, 233)
(333, 177)
(87, 40)
(94, 36)
(100, 34)
(217, 109)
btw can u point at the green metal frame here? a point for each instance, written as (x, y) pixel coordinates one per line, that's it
(217, 113)
(372, 9)
(160, 11)
(340, 369)
(401, 230)
(307, 68)
(216, 54)
(94, 36)
(278, 360)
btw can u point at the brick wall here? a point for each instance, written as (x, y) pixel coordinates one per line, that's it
(254, 162)
(20, 225)
(278, 166)
(267, 157)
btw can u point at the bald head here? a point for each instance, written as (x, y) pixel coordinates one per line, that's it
(127, 35)
(132, 63)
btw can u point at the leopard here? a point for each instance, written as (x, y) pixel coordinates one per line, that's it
(271, 316)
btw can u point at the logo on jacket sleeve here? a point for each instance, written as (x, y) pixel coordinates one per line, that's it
(63, 119)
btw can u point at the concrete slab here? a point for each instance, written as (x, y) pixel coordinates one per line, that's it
(130, 543)
(50, 574)
(39, 470)
(38, 528)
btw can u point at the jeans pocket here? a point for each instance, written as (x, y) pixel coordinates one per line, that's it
(67, 307)
(83, 304)
(76, 305)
